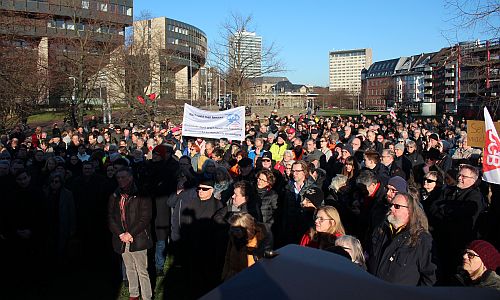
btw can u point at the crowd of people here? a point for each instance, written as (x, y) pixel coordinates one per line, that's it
(401, 198)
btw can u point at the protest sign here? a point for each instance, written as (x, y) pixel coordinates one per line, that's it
(229, 123)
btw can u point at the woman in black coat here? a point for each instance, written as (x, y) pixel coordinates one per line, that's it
(267, 198)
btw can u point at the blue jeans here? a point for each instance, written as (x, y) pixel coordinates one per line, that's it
(160, 255)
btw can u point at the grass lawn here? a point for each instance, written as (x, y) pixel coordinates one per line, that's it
(350, 112)
(46, 117)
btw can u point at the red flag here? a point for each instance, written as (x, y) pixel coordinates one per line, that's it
(152, 96)
(141, 100)
(491, 157)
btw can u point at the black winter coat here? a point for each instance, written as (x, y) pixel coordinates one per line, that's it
(454, 216)
(394, 260)
(138, 212)
(267, 201)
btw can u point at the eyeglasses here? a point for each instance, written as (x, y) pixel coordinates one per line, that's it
(266, 159)
(465, 176)
(427, 180)
(320, 219)
(391, 189)
(263, 180)
(397, 206)
(470, 255)
(203, 188)
(323, 141)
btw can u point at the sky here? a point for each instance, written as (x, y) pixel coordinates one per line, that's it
(305, 31)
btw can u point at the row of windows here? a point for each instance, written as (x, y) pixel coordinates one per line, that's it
(70, 25)
(348, 54)
(187, 32)
(109, 7)
(381, 92)
(174, 41)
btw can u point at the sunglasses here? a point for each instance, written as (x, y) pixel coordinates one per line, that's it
(266, 159)
(470, 255)
(397, 206)
(429, 180)
(203, 188)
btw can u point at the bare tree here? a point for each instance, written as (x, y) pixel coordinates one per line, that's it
(230, 54)
(475, 14)
(23, 72)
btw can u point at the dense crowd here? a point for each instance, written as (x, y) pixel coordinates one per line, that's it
(401, 198)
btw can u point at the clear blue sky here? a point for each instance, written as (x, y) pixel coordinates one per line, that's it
(306, 31)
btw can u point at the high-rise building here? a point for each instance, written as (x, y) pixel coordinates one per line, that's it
(345, 69)
(245, 53)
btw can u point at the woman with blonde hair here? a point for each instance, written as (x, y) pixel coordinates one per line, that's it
(352, 246)
(327, 228)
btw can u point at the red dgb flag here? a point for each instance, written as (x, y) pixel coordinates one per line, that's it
(491, 156)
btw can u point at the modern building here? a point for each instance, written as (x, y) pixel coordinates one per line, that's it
(177, 52)
(345, 69)
(478, 81)
(65, 29)
(378, 84)
(245, 53)
(410, 82)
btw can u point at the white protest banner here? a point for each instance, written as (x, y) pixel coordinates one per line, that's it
(491, 160)
(229, 123)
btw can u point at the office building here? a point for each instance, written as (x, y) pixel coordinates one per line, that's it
(245, 53)
(345, 69)
(177, 52)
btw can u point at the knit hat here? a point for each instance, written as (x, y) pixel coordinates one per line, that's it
(434, 136)
(245, 162)
(290, 130)
(315, 195)
(348, 148)
(432, 153)
(161, 150)
(487, 252)
(399, 184)
(283, 136)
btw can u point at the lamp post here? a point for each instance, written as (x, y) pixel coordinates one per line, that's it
(358, 103)
(190, 77)
(73, 100)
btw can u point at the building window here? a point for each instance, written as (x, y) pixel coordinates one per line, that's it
(129, 11)
(85, 4)
(102, 6)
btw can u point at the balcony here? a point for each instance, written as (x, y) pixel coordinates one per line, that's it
(428, 84)
(429, 76)
(429, 92)
(449, 100)
(450, 66)
(449, 83)
(448, 92)
(427, 69)
(449, 75)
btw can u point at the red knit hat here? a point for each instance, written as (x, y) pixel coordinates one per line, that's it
(487, 252)
(161, 150)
